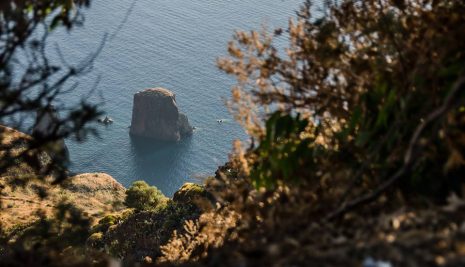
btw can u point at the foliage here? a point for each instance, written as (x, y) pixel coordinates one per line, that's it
(111, 220)
(30, 84)
(143, 197)
(281, 153)
(95, 240)
(198, 237)
(357, 74)
(38, 242)
(364, 109)
(30, 87)
(140, 235)
(190, 193)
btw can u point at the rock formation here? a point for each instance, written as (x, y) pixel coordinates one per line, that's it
(155, 115)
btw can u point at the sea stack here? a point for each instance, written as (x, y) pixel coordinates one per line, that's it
(155, 115)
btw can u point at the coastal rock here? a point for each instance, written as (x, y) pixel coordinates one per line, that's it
(185, 129)
(156, 115)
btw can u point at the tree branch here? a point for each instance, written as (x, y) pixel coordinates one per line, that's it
(449, 102)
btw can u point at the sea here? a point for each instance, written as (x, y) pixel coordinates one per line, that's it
(160, 43)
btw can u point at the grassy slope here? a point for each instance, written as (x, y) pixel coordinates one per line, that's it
(96, 193)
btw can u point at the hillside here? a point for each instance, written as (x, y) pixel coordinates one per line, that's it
(96, 193)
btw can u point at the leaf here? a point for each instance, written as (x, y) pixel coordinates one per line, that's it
(362, 138)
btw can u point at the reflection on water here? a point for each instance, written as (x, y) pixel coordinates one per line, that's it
(156, 160)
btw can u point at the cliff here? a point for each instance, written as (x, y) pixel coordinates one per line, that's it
(95, 193)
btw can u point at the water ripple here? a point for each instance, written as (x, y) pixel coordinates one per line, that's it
(170, 43)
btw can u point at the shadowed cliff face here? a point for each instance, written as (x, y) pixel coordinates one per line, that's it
(47, 124)
(155, 115)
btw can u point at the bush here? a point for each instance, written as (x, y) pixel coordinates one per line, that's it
(364, 113)
(143, 197)
(189, 192)
(95, 241)
(365, 78)
(142, 233)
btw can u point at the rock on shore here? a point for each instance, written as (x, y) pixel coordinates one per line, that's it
(156, 115)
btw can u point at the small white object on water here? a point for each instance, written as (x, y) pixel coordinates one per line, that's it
(107, 120)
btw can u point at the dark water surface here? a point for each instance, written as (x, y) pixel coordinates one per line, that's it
(172, 44)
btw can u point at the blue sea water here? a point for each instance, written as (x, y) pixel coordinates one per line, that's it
(172, 44)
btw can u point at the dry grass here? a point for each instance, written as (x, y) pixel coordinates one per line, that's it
(95, 193)
(8, 135)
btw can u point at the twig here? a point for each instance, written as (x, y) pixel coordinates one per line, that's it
(448, 102)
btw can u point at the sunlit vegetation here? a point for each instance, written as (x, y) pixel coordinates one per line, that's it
(143, 197)
(137, 234)
(357, 140)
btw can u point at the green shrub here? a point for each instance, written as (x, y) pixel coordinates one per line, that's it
(189, 192)
(282, 153)
(95, 240)
(142, 233)
(143, 197)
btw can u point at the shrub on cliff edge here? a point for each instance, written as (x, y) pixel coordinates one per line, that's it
(143, 197)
